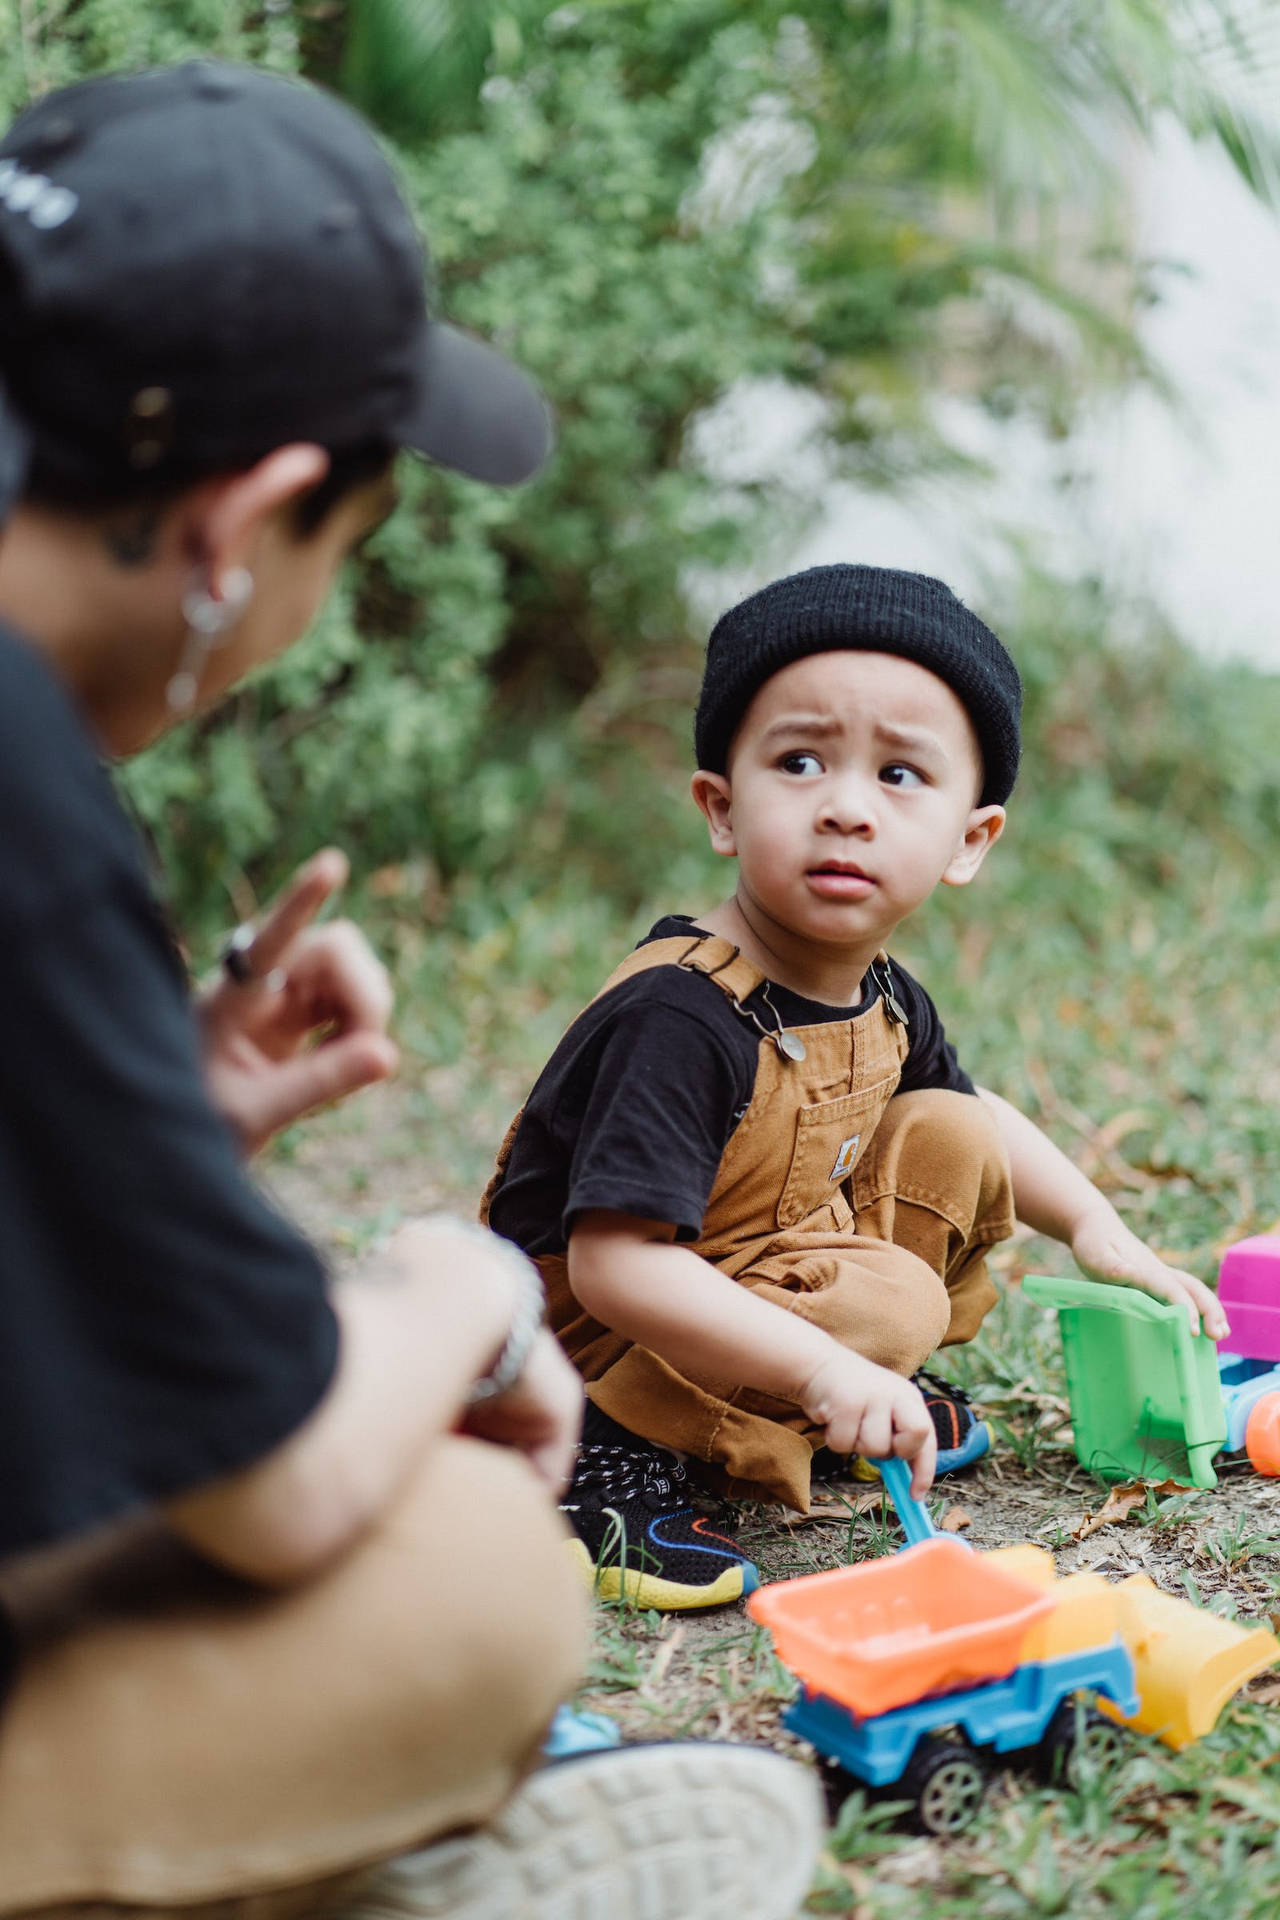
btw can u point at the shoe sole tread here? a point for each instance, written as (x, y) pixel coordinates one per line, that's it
(638, 1833)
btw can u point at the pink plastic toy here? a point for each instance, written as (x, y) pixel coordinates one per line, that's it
(1249, 1289)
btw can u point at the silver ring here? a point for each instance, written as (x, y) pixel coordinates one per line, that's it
(236, 952)
(236, 961)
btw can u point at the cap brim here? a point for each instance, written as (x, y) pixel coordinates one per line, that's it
(478, 413)
(15, 452)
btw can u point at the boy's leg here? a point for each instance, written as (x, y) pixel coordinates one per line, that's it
(935, 1181)
(216, 1747)
(931, 1195)
(880, 1300)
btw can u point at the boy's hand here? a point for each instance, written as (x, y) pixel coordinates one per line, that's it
(868, 1410)
(1107, 1250)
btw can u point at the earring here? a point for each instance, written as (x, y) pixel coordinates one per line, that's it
(209, 621)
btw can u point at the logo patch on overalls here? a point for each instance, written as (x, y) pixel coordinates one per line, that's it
(845, 1157)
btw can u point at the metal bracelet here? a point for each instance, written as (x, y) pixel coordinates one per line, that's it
(526, 1325)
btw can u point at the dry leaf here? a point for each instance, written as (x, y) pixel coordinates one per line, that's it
(1266, 1696)
(1121, 1501)
(1118, 1505)
(955, 1520)
(919, 1863)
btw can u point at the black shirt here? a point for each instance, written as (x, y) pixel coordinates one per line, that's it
(160, 1323)
(634, 1109)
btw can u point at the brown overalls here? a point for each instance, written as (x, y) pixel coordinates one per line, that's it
(869, 1215)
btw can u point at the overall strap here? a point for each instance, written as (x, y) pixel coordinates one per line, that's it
(706, 953)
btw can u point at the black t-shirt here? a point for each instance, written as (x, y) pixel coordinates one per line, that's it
(636, 1106)
(160, 1323)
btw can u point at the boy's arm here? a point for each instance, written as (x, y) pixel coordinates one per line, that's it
(1052, 1196)
(627, 1273)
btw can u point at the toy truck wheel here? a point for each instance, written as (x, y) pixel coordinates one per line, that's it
(1077, 1733)
(945, 1780)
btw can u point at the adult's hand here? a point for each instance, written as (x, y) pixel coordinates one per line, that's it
(306, 1024)
(541, 1415)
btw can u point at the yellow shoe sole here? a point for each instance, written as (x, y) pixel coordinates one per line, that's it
(648, 1590)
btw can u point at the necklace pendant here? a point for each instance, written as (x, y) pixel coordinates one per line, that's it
(790, 1045)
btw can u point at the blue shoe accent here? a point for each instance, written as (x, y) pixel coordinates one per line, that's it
(975, 1443)
(573, 1732)
(962, 1437)
(723, 1548)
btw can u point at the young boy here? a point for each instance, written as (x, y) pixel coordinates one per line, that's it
(758, 1184)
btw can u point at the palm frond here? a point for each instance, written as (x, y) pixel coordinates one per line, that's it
(1233, 49)
(1038, 87)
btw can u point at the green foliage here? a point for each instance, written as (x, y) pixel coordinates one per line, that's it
(650, 202)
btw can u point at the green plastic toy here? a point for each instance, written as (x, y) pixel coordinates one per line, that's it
(1146, 1397)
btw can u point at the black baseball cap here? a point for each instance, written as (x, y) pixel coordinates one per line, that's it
(203, 262)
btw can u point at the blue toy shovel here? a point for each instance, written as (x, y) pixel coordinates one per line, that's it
(913, 1513)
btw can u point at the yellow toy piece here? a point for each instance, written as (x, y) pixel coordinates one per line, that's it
(1187, 1662)
(1086, 1610)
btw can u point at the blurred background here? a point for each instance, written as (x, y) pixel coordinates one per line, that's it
(985, 288)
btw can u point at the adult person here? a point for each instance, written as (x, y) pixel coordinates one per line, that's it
(287, 1593)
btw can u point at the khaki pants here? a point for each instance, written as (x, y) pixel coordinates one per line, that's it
(193, 1746)
(905, 1275)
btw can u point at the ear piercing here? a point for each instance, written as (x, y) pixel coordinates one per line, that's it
(209, 620)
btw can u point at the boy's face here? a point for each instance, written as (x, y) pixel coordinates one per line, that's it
(850, 794)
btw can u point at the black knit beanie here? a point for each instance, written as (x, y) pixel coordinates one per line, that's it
(869, 610)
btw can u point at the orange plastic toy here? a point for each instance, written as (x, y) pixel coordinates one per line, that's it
(1262, 1435)
(876, 1636)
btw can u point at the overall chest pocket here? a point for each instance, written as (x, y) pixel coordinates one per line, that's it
(830, 1139)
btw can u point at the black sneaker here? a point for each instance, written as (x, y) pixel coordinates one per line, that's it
(638, 1537)
(962, 1437)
